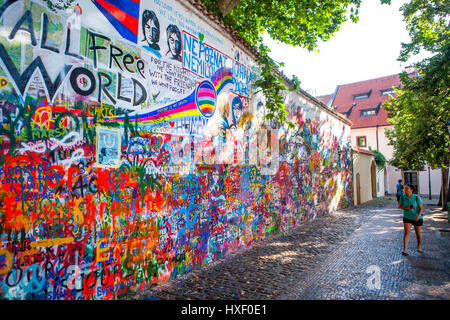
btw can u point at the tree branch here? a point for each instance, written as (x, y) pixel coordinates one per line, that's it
(225, 6)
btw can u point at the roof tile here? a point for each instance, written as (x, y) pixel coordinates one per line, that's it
(344, 100)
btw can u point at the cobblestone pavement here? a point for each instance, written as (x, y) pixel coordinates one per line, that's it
(336, 257)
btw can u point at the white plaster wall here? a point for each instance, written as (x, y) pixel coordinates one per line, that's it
(362, 164)
(394, 174)
(380, 182)
(424, 187)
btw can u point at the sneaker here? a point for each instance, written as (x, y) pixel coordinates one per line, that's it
(419, 250)
(405, 253)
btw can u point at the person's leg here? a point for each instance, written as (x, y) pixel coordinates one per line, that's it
(407, 229)
(418, 230)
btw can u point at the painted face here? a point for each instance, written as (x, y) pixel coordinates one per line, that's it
(174, 44)
(150, 31)
(237, 113)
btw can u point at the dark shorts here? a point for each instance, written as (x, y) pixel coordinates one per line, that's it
(417, 223)
(398, 197)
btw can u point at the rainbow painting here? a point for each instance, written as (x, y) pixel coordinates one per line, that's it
(206, 98)
(221, 78)
(201, 102)
(183, 108)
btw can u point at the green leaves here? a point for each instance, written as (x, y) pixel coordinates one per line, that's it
(300, 23)
(380, 159)
(272, 86)
(428, 25)
(421, 110)
(295, 82)
(419, 114)
(297, 23)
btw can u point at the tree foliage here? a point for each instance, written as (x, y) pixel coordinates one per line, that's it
(272, 86)
(428, 24)
(380, 159)
(300, 23)
(421, 110)
(420, 113)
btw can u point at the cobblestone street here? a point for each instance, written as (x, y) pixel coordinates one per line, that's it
(335, 257)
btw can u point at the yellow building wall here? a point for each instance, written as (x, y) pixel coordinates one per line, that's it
(362, 164)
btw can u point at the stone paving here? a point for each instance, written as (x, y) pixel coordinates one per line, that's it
(353, 254)
(350, 271)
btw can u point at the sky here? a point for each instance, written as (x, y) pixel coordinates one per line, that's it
(359, 51)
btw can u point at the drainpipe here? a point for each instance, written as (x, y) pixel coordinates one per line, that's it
(429, 184)
(377, 138)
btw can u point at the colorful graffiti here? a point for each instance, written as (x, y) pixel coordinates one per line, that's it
(122, 167)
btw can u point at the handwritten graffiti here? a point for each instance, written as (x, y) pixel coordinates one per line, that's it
(122, 167)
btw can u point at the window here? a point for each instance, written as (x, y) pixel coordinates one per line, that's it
(361, 141)
(411, 178)
(363, 95)
(386, 92)
(368, 113)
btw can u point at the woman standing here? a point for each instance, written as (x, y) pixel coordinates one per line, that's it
(412, 215)
(399, 190)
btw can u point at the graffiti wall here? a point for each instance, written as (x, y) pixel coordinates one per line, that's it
(134, 148)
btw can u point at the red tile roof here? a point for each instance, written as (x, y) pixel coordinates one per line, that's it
(325, 99)
(344, 100)
(356, 149)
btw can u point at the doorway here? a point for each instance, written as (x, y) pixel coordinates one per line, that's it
(411, 178)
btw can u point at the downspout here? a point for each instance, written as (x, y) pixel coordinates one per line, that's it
(375, 169)
(377, 138)
(378, 109)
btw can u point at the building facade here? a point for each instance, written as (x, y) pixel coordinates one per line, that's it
(361, 102)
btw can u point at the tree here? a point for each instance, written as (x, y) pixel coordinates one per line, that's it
(298, 23)
(421, 110)
(301, 23)
(380, 159)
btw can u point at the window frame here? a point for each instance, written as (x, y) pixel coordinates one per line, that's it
(365, 141)
(362, 95)
(386, 92)
(362, 115)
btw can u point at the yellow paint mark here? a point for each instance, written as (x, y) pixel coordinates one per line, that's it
(8, 257)
(52, 242)
(102, 253)
(3, 82)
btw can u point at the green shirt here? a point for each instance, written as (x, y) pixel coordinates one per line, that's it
(414, 200)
